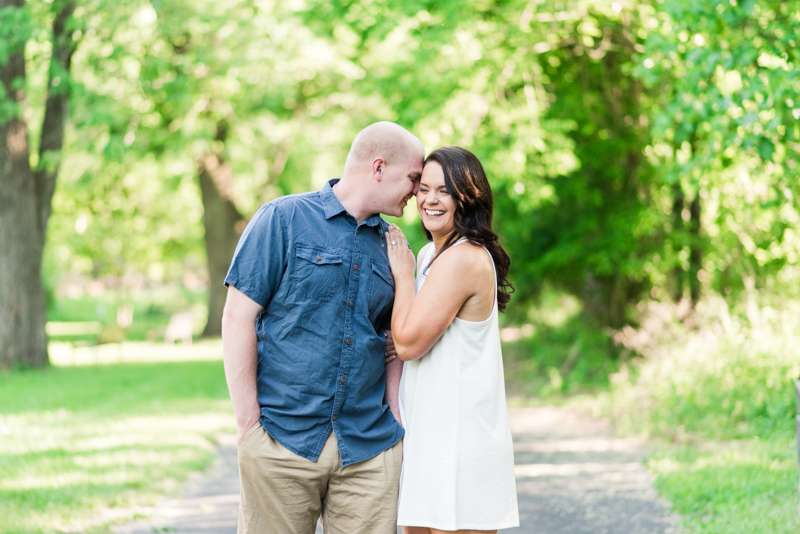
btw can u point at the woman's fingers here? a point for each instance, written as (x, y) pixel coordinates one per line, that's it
(403, 239)
(398, 238)
(401, 258)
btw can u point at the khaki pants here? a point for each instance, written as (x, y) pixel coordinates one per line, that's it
(283, 493)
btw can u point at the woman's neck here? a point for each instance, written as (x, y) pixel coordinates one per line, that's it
(440, 239)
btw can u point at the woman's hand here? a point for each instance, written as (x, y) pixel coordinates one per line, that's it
(401, 259)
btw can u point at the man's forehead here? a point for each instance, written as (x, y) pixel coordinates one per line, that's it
(415, 165)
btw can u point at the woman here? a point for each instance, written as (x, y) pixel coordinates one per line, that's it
(458, 461)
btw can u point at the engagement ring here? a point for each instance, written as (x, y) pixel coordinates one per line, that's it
(394, 243)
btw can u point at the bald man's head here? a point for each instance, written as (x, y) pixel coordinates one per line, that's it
(382, 170)
(382, 140)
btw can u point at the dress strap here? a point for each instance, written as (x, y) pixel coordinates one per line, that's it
(429, 256)
(494, 268)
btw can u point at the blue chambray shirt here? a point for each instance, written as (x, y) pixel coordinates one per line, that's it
(327, 292)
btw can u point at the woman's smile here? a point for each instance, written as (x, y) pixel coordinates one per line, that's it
(435, 205)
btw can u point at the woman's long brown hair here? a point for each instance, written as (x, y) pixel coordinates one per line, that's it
(465, 181)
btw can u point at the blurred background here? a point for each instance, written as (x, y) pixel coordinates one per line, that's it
(644, 160)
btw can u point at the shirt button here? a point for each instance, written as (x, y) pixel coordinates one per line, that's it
(341, 380)
(351, 303)
(347, 341)
(319, 258)
(355, 267)
(390, 277)
(334, 418)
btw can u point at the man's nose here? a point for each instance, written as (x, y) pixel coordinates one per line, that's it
(416, 188)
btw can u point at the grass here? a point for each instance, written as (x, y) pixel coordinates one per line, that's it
(81, 447)
(720, 401)
(739, 487)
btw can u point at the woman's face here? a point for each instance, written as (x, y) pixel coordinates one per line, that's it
(436, 207)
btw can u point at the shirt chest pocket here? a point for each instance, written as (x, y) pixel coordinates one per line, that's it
(318, 272)
(380, 295)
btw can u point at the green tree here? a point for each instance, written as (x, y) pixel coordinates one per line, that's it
(197, 115)
(545, 95)
(235, 68)
(726, 135)
(28, 177)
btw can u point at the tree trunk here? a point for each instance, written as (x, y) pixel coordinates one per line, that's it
(23, 341)
(222, 222)
(678, 200)
(25, 198)
(56, 112)
(695, 250)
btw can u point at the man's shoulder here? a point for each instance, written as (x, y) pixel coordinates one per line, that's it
(286, 206)
(288, 202)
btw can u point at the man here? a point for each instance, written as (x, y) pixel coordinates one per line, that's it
(310, 292)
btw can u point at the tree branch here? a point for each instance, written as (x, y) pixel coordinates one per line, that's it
(56, 112)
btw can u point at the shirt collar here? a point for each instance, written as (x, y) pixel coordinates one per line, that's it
(333, 207)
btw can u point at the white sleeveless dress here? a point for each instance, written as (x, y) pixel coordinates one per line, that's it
(458, 457)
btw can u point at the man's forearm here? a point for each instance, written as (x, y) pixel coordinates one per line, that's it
(239, 349)
(394, 371)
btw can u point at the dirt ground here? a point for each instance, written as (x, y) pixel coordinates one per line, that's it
(573, 477)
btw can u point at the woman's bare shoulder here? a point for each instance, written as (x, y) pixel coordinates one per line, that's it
(466, 257)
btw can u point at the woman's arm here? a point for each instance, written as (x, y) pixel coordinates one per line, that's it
(394, 367)
(419, 320)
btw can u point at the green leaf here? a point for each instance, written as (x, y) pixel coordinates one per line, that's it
(765, 149)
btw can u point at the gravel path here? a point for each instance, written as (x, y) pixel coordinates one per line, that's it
(573, 477)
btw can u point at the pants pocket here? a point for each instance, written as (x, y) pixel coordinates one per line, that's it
(247, 434)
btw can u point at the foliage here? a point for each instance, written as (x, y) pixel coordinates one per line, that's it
(720, 398)
(731, 488)
(586, 115)
(725, 129)
(560, 351)
(574, 107)
(157, 89)
(526, 86)
(76, 441)
(729, 380)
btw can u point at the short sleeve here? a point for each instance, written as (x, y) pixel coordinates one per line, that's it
(260, 258)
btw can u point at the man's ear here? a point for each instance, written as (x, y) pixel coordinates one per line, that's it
(377, 168)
